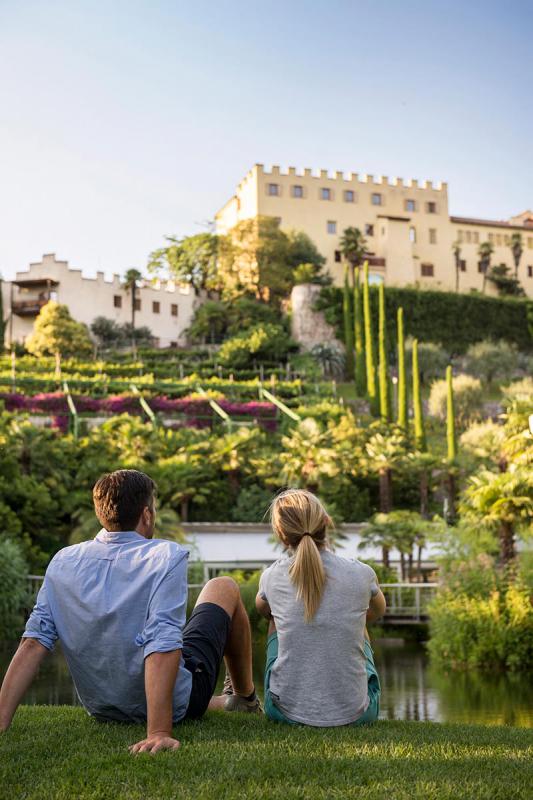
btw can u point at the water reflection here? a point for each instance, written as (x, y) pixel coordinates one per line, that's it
(411, 688)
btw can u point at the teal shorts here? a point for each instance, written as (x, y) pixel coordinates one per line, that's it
(374, 689)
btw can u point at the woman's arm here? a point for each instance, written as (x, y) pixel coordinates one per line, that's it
(262, 607)
(376, 607)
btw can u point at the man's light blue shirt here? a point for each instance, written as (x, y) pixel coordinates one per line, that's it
(111, 602)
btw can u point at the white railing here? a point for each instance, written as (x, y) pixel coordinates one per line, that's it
(408, 601)
(405, 601)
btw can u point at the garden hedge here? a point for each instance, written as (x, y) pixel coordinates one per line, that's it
(455, 321)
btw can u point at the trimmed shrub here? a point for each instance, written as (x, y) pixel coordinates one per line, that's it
(13, 589)
(258, 343)
(452, 320)
(467, 395)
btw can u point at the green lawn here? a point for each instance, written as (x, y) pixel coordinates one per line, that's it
(58, 752)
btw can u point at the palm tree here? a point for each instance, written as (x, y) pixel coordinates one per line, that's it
(131, 279)
(517, 249)
(485, 252)
(384, 454)
(308, 456)
(353, 248)
(456, 247)
(502, 501)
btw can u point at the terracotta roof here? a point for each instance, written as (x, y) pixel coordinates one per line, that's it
(489, 223)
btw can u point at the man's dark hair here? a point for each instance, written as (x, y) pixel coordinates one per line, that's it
(120, 497)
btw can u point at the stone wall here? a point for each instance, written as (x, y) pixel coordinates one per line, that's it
(308, 327)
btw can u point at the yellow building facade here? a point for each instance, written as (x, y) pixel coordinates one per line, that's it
(407, 225)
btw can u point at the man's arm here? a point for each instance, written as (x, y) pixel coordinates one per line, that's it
(18, 678)
(160, 673)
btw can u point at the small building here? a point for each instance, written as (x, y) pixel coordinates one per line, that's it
(406, 223)
(166, 308)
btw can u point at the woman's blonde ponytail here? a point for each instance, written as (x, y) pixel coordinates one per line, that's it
(300, 521)
(308, 575)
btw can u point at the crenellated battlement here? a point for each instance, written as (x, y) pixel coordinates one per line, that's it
(341, 177)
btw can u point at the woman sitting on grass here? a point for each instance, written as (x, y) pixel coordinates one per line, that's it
(320, 666)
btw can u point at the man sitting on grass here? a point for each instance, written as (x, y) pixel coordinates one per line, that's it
(118, 603)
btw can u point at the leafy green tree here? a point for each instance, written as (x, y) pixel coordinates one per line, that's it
(308, 457)
(54, 331)
(360, 368)
(402, 376)
(369, 345)
(259, 259)
(302, 250)
(507, 285)
(13, 589)
(384, 393)
(353, 247)
(130, 283)
(210, 322)
(348, 326)
(492, 361)
(485, 252)
(517, 248)
(189, 259)
(108, 333)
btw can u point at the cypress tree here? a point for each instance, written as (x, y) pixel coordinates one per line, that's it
(360, 369)
(348, 325)
(418, 412)
(369, 345)
(384, 394)
(450, 417)
(402, 378)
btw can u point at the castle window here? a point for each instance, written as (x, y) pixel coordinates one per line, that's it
(376, 199)
(349, 196)
(137, 304)
(369, 230)
(338, 257)
(410, 205)
(460, 236)
(475, 237)
(273, 189)
(174, 309)
(117, 301)
(462, 264)
(491, 238)
(412, 235)
(433, 236)
(431, 207)
(468, 237)
(428, 270)
(156, 307)
(530, 272)
(332, 226)
(297, 191)
(325, 194)
(530, 242)
(498, 240)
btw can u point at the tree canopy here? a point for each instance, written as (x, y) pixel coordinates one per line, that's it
(55, 331)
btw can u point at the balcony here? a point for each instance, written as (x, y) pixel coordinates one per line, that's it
(28, 308)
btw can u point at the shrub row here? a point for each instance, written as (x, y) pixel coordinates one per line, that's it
(454, 321)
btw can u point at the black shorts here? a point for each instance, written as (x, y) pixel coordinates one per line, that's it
(204, 641)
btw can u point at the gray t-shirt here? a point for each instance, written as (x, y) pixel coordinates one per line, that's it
(319, 677)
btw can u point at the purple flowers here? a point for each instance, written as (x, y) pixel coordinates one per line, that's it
(196, 411)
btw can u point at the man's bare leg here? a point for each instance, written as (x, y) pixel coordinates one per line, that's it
(225, 593)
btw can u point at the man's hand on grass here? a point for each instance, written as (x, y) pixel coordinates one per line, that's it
(154, 744)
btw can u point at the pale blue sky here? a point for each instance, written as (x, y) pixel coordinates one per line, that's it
(121, 122)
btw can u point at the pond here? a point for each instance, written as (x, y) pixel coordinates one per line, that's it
(411, 688)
